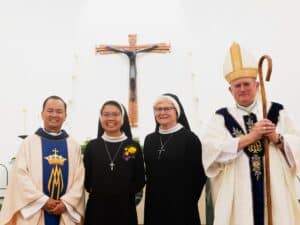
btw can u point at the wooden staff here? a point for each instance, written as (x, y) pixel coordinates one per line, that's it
(266, 141)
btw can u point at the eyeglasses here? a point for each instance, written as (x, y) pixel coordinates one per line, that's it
(111, 114)
(163, 109)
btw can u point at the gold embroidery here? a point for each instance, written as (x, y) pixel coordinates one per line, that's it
(256, 166)
(250, 123)
(255, 147)
(236, 132)
(55, 181)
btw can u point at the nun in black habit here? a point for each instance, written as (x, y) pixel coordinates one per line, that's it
(174, 172)
(114, 170)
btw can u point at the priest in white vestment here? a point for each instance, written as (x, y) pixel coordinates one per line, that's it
(46, 182)
(233, 152)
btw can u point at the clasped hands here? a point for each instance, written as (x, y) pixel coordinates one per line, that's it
(264, 128)
(56, 207)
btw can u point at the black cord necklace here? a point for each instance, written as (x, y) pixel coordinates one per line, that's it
(162, 145)
(112, 159)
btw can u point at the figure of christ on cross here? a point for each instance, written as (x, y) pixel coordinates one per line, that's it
(131, 51)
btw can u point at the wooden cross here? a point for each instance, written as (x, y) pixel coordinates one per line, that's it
(131, 51)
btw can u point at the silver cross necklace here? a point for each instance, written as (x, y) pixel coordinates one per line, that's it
(162, 145)
(112, 164)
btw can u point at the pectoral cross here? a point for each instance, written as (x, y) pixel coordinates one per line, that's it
(112, 166)
(131, 51)
(160, 151)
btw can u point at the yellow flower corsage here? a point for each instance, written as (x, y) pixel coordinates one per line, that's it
(129, 152)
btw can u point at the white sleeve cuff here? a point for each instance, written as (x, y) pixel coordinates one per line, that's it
(34, 207)
(229, 151)
(72, 213)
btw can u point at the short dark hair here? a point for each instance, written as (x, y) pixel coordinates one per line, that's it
(56, 98)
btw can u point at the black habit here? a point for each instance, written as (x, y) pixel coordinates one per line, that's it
(112, 192)
(175, 178)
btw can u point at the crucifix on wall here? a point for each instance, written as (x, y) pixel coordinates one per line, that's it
(131, 51)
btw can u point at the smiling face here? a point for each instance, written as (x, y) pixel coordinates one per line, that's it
(165, 114)
(54, 115)
(111, 120)
(244, 90)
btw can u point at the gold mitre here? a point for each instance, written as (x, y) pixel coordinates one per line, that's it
(239, 63)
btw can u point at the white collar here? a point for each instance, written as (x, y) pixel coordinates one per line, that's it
(247, 109)
(52, 133)
(108, 138)
(177, 127)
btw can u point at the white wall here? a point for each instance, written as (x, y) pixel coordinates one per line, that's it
(48, 47)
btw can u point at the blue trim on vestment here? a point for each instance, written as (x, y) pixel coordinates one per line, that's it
(55, 166)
